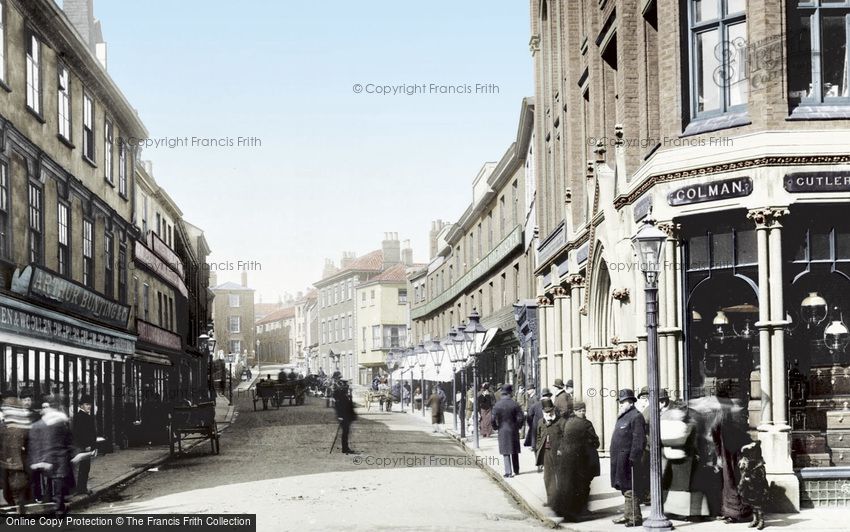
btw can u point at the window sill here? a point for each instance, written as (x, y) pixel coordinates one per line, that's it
(820, 112)
(91, 163)
(123, 196)
(36, 114)
(65, 141)
(4, 86)
(108, 182)
(699, 126)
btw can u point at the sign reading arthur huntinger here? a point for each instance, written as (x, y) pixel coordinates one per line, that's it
(712, 191)
(53, 289)
(818, 182)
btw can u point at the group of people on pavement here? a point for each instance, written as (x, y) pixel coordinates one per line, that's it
(711, 467)
(44, 454)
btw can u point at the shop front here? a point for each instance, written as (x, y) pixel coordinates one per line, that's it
(48, 347)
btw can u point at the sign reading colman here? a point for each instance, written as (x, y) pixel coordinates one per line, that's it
(715, 190)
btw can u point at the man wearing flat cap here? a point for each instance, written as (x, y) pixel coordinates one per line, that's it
(563, 398)
(507, 419)
(627, 448)
(84, 431)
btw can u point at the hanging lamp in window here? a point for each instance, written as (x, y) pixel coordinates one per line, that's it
(813, 309)
(720, 323)
(836, 335)
(747, 332)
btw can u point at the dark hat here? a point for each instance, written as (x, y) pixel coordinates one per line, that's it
(507, 389)
(485, 386)
(547, 405)
(626, 394)
(85, 398)
(579, 405)
(9, 394)
(570, 383)
(559, 383)
(662, 395)
(545, 392)
(26, 392)
(643, 391)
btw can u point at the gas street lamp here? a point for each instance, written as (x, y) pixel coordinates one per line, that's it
(451, 351)
(410, 358)
(475, 333)
(392, 361)
(462, 354)
(648, 244)
(422, 357)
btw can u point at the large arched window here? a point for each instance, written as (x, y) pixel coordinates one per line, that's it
(601, 304)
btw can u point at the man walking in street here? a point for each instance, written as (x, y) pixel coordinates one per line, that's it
(563, 399)
(627, 447)
(14, 432)
(507, 419)
(535, 414)
(50, 450)
(84, 433)
(344, 413)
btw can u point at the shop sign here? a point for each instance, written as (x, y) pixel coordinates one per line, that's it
(818, 182)
(166, 253)
(642, 208)
(50, 288)
(152, 261)
(151, 334)
(712, 191)
(31, 324)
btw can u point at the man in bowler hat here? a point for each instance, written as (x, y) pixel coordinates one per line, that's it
(535, 414)
(507, 419)
(344, 413)
(627, 448)
(563, 398)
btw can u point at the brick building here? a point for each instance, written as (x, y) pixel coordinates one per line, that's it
(234, 320)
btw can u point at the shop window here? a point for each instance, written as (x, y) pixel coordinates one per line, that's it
(818, 34)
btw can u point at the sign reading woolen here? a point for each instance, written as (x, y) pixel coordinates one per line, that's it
(712, 191)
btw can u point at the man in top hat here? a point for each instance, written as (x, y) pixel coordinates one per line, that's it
(507, 419)
(563, 398)
(627, 448)
(84, 434)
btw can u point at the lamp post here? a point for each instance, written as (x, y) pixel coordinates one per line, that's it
(648, 244)
(410, 358)
(475, 333)
(451, 350)
(422, 357)
(437, 352)
(391, 363)
(462, 354)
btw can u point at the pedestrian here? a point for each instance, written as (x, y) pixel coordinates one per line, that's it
(730, 434)
(562, 399)
(507, 419)
(84, 432)
(548, 434)
(470, 408)
(578, 463)
(417, 398)
(14, 435)
(485, 411)
(753, 485)
(435, 402)
(681, 494)
(535, 414)
(642, 406)
(50, 450)
(627, 445)
(345, 414)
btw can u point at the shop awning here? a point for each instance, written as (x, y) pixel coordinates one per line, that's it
(152, 358)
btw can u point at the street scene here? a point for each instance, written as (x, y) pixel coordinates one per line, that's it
(463, 265)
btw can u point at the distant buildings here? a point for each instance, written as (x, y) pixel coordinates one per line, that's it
(234, 319)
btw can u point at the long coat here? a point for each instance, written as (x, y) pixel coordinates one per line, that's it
(563, 402)
(84, 431)
(50, 442)
(535, 414)
(579, 464)
(344, 407)
(507, 419)
(627, 445)
(436, 404)
(548, 435)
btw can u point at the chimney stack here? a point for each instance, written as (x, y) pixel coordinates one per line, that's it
(407, 253)
(213, 279)
(81, 15)
(436, 227)
(329, 268)
(391, 248)
(347, 258)
(244, 279)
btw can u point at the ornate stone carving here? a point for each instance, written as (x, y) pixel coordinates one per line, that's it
(619, 143)
(596, 356)
(560, 291)
(534, 43)
(583, 310)
(670, 228)
(620, 294)
(542, 301)
(576, 281)
(600, 151)
(767, 216)
(589, 170)
(615, 340)
(568, 195)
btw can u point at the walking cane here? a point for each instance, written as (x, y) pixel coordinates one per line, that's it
(335, 438)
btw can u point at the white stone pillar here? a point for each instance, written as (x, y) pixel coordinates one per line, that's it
(777, 318)
(671, 319)
(760, 217)
(576, 337)
(595, 408)
(610, 385)
(542, 347)
(567, 332)
(551, 327)
(558, 333)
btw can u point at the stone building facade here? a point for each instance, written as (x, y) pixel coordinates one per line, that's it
(234, 320)
(727, 122)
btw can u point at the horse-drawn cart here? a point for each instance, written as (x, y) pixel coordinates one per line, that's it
(190, 423)
(275, 393)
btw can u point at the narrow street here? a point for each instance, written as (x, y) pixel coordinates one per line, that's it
(276, 464)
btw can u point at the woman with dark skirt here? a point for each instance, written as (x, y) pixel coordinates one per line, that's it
(485, 411)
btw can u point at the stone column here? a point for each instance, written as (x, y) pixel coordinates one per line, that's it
(566, 337)
(777, 318)
(575, 335)
(558, 317)
(551, 326)
(610, 385)
(761, 219)
(595, 408)
(542, 347)
(670, 325)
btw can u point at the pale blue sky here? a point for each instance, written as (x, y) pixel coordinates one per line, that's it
(336, 169)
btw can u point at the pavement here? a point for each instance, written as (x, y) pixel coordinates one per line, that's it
(119, 467)
(605, 503)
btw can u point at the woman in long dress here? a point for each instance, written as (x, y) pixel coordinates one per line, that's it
(682, 496)
(485, 411)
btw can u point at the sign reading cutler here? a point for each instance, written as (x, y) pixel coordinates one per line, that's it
(818, 182)
(715, 190)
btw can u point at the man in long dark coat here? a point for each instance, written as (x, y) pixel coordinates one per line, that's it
(344, 413)
(507, 419)
(579, 463)
(14, 433)
(535, 414)
(50, 450)
(627, 445)
(84, 433)
(548, 435)
(563, 398)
